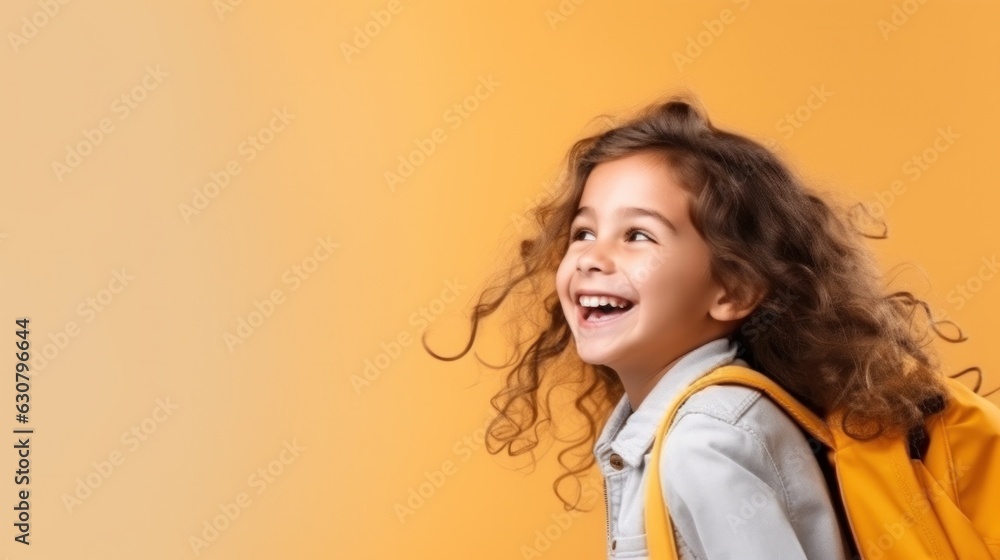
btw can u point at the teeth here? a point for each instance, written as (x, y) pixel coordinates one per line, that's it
(595, 301)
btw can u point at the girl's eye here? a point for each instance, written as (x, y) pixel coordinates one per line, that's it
(577, 232)
(640, 232)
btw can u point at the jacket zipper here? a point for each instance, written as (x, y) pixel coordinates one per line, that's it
(607, 516)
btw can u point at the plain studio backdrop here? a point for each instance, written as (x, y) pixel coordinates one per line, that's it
(230, 222)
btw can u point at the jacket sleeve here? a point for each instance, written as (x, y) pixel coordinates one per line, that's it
(725, 493)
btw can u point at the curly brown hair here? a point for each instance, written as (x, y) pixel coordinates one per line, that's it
(825, 330)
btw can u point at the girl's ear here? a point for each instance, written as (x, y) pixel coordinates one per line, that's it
(727, 306)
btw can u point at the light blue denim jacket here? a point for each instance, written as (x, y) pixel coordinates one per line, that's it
(739, 477)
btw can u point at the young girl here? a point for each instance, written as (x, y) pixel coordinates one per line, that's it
(674, 248)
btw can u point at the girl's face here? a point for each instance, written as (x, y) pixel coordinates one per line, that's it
(632, 244)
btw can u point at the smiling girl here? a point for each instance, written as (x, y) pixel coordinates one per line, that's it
(675, 248)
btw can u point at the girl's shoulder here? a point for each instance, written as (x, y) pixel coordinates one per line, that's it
(740, 423)
(740, 475)
(728, 403)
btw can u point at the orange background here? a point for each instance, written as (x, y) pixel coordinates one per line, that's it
(299, 208)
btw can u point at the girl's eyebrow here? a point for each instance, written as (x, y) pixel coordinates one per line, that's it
(628, 212)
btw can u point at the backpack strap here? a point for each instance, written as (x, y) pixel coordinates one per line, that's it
(917, 439)
(660, 532)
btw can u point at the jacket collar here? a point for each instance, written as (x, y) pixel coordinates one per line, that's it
(630, 434)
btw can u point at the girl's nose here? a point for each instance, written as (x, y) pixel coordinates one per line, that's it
(596, 257)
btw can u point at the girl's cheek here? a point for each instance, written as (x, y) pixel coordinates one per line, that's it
(563, 275)
(673, 288)
(564, 265)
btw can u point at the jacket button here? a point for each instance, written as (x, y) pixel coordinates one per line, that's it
(617, 462)
(614, 543)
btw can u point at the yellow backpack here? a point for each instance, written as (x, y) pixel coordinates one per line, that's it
(936, 495)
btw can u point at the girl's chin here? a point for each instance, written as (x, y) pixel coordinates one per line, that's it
(597, 357)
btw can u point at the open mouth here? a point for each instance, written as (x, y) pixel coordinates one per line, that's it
(601, 309)
(604, 312)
